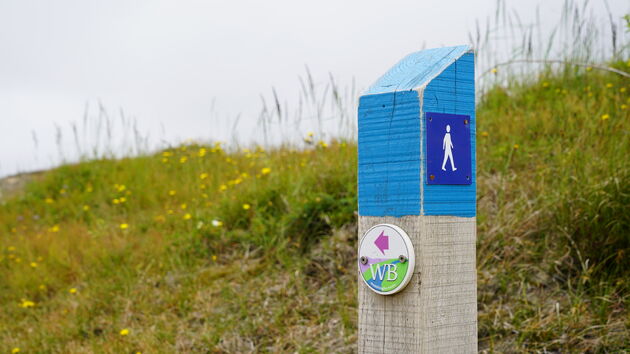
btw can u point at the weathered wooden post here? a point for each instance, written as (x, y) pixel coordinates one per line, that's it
(417, 206)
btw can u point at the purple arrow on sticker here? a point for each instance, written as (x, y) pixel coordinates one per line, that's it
(382, 242)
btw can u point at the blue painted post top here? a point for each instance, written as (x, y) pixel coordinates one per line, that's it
(417, 137)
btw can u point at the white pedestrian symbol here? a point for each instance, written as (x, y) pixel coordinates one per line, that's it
(447, 146)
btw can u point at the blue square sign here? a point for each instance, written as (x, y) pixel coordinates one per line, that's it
(448, 149)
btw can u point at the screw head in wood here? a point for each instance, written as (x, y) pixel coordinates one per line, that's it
(402, 259)
(363, 260)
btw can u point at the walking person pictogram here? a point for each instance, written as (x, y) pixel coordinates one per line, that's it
(447, 146)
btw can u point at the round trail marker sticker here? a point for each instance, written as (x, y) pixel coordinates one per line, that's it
(386, 259)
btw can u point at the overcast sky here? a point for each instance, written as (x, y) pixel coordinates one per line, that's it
(164, 63)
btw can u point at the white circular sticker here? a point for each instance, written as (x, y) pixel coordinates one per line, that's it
(386, 259)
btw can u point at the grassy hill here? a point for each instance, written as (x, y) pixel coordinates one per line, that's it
(199, 248)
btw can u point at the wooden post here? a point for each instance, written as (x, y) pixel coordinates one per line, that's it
(417, 172)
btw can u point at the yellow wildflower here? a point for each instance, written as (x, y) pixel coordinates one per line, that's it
(124, 332)
(55, 228)
(494, 70)
(122, 199)
(187, 216)
(33, 265)
(246, 206)
(27, 303)
(609, 85)
(183, 206)
(624, 106)
(202, 152)
(484, 134)
(86, 207)
(588, 68)
(116, 201)
(223, 187)
(605, 116)
(124, 226)
(516, 146)
(265, 171)
(217, 223)
(49, 201)
(203, 175)
(121, 188)
(622, 90)
(323, 144)
(183, 159)
(545, 84)
(42, 287)
(214, 258)
(15, 350)
(170, 212)
(72, 290)
(172, 192)
(11, 248)
(164, 160)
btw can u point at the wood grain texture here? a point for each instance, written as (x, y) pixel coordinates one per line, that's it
(437, 311)
(389, 154)
(416, 69)
(452, 91)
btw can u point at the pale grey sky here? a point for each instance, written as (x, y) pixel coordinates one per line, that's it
(164, 63)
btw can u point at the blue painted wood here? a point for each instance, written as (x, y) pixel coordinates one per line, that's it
(458, 200)
(389, 154)
(416, 69)
(392, 138)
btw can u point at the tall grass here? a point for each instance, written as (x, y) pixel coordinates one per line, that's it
(211, 247)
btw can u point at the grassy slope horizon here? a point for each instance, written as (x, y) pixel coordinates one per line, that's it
(196, 249)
